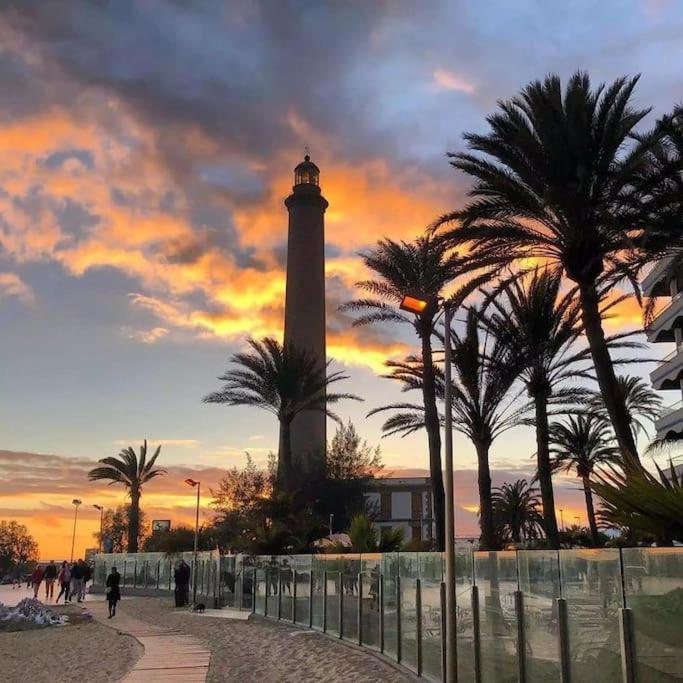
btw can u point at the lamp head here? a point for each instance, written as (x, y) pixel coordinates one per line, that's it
(76, 502)
(414, 303)
(191, 482)
(98, 507)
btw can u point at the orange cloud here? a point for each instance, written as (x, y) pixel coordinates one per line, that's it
(448, 80)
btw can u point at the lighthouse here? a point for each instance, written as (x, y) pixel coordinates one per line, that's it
(305, 303)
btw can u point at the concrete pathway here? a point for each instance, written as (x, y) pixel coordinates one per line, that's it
(170, 655)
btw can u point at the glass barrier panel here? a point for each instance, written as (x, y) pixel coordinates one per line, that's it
(317, 597)
(390, 620)
(303, 596)
(464, 566)
(350, 571)
(408, 611)
(653, 583)
(431, 575)
(334, 584)
(495, 574)
(259, 590)
(272, 574)
(591, 585)
(369, 583)
(539, 579)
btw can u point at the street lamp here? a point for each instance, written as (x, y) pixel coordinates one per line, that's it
(416, 304)
(562, 519)
(192, 482)
(101, 509)
(331, 520)
(75, 502)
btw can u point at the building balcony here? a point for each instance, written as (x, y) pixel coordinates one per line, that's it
(670, 423)
(656, 282)
(669, 373)
(661, 329)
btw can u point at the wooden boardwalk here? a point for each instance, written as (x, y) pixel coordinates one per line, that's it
(170, 655)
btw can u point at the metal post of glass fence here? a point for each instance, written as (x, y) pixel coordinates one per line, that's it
(476, 634)
(418, 625)
(135, 574)
(158, 572)
(359, 614)
(124, 573)
(628, 670)
(170, 573)
(310, 598)
(279, 593)
(398, 619)
(563, 632)
(253, 591)
(325, 601)
(521, 647)
(294, 599)
(341, 605)
(381, 613)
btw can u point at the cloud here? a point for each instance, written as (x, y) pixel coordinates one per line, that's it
(148, 336)
(12, 286)
(153, 443)
(448, 80)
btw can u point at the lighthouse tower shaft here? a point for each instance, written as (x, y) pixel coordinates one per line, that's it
(305, 304)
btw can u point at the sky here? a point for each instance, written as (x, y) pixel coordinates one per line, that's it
(145, 152)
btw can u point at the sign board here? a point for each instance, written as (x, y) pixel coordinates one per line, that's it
(161, 525)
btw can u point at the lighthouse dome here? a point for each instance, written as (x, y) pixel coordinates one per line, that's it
(307, 173)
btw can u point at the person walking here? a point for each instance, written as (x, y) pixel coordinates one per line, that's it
(64, 579)
(77, 580)
(112, 590)
(87, 575)
(50, 577)
(182, 584)
(36, 579)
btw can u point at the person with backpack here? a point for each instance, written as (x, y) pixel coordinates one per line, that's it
(77, 580)
(87, 575)
(64, 579)
(113, 591)
(36, 579)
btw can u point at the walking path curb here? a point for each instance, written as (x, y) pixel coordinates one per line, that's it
(169, 655)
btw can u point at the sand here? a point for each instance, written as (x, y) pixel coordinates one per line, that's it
(265, 651)
(81, 651)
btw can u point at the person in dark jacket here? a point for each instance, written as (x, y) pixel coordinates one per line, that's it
(112, 590)
(87, 575)
(64, 579)
(50, 577)
(77, 579)
(182, 584)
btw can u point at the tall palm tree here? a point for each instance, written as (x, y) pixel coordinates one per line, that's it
(283, 380)
(581, 443)
(422, 268)
(559, 179)
(482, 383)
(517, 511)
(642, 402)
(133, 472)
(537, 327)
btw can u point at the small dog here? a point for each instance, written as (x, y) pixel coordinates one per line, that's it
(199, 607)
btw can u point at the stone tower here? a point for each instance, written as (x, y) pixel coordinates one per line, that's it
(305, 302)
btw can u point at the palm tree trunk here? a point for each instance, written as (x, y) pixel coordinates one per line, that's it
(590, 511)
(488, 540)
(134, 521)
(433, 427)
(545, 479)
(284, 458)
(604, 370)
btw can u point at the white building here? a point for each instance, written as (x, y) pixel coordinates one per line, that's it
(666, 281)
(403, 502)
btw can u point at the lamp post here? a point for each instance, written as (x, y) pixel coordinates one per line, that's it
(331, 519)
(193, 483)
(417, 304)
(75, 502)
(101, 509)
(562, 519)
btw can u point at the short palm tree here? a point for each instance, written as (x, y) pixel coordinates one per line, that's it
(422, 268)
(133, 472)
(559, 179)
(642, 402)
(537, 328)
(517, 512)
(285, 381)
(582, 443)
(482, 384)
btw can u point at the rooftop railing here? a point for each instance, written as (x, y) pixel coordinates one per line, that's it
(521, 615)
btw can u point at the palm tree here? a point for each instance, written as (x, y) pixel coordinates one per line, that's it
(133, 472)
(559, 179)
(517, 511)
(482, 382)
(536, 327)
(581, 443)
(642, 402)
(422, 268)
(283, 380)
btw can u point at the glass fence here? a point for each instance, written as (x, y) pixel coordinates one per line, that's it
(530, 616)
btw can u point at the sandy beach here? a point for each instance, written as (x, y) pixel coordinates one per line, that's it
(83, 650)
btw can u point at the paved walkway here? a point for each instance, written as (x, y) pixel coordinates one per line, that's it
(170, 655)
